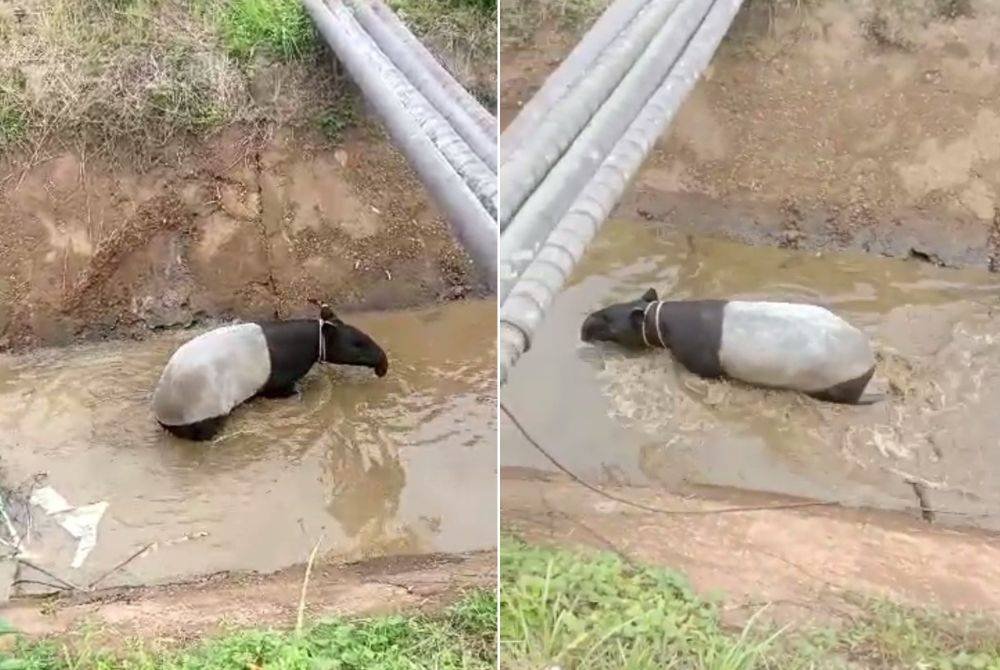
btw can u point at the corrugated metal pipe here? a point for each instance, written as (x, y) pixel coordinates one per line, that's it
(553, 195)
(417, 72)
(527, 166)
(574, 67)
(458, 179)
(536, 287)
(472, 107)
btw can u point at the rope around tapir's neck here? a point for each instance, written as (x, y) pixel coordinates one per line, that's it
(656, 320)
(322, 341)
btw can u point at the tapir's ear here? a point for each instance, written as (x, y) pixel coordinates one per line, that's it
(650, 295)
(326, 313)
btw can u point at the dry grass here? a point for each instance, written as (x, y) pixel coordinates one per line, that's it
(463, 33)
(520, 19)
(129, 79)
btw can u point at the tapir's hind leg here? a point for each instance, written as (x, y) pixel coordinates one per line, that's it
(199, 431)
(849, 392)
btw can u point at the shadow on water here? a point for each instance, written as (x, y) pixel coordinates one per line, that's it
(402, 464)
(637, 417)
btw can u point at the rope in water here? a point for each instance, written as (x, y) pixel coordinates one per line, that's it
(650, 508)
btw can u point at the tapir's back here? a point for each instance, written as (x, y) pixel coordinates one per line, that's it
(211, 374)
(789, 345)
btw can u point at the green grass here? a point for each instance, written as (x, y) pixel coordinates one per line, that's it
(282, 28)
(13, 124)
(590, 610)
(561, 608)
(338, 117)
(461, 638)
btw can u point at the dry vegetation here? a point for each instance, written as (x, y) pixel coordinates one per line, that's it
(129, 77)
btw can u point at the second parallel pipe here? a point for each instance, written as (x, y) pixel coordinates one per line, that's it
(473, 226)
(410, 64)
(485, 118)
(522, 171)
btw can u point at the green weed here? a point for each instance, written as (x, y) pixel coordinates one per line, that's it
(337, 118)
(590, 610)
(13, 117)
(13, 125)
(461, 638)
(282, 28)
(560, 608)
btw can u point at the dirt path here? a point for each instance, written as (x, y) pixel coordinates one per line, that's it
(804, 561)
(184, 612)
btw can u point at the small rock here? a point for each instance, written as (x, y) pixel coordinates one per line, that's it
(341, 157)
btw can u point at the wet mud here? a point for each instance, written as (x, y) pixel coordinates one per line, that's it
(372, 467)
(620, 417)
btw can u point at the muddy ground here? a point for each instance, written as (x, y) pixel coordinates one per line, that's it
(230, 227)
(827, 126)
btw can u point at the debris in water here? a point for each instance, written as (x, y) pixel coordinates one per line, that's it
(80, 522)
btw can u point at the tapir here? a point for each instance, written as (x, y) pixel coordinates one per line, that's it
(781, 345)
(214, 372)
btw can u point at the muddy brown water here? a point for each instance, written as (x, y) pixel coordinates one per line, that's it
(402, 464)
(639, 418)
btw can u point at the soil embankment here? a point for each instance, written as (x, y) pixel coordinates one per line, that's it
(92, 249)
(827, 125)
(162, 166)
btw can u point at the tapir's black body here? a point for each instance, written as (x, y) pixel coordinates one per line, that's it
(693, 331)
(293, 348)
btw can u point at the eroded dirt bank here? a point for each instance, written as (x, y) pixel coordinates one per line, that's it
(183, 612)
(828, 125)
(806, 563)
(228, 227)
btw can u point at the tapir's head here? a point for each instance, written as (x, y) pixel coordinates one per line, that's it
(348, 345)
(620, 323)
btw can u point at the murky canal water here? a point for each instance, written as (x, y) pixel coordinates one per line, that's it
(621, 417)
(402, 464)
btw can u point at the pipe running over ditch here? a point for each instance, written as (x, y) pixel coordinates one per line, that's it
(569, 73)
(464, 99)
(430, 122)
(527, 295)
(581, 159)
(527, 166)
(416, 71)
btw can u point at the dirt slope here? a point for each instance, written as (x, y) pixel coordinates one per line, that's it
(229, 229)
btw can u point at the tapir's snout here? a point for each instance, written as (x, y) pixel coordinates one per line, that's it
(382, 367)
